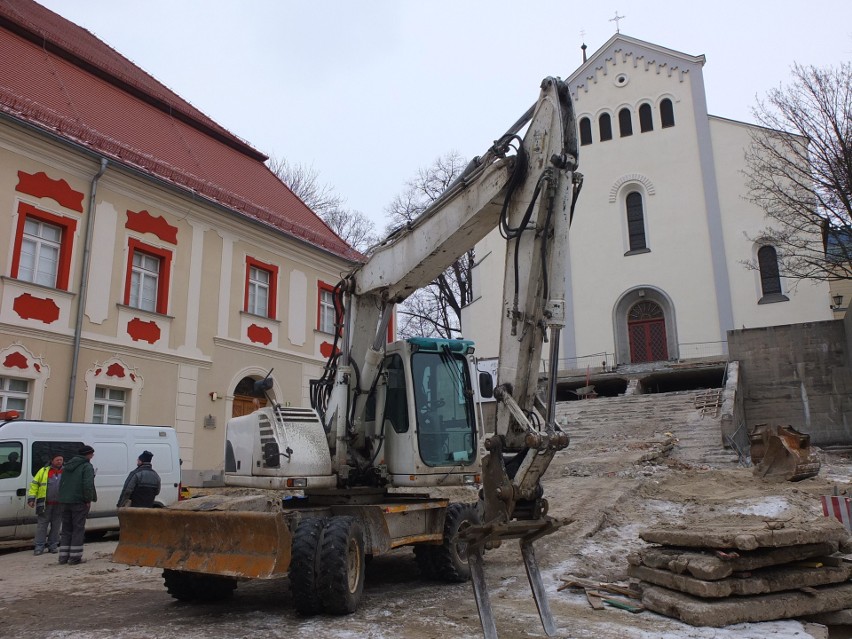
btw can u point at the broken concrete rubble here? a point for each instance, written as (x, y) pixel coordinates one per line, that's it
(767, 580)
(710, 565)
(750, 533)
(723, 612)
(753, 570)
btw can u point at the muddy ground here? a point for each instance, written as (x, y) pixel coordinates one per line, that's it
(608, 488)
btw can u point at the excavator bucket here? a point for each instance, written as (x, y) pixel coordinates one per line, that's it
(782, 453)
(232, 544)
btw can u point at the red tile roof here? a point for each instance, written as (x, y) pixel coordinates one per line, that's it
(60, 77)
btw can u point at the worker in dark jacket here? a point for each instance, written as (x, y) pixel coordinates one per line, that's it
(142, 484)
(76, 494)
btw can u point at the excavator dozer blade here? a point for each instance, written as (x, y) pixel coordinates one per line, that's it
(233, 544)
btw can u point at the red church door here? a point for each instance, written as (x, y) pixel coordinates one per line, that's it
(646, 327)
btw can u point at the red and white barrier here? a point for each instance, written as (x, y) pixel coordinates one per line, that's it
(838, 507)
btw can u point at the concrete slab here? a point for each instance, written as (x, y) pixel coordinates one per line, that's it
(707, 565)
(723, 612)
(748, 533)
(775, 579)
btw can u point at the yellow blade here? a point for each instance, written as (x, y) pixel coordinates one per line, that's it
(233, 544)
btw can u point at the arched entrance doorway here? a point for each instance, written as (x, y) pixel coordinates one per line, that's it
(646, 330)
(244, 400)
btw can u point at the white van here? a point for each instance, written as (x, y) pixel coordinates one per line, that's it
(26, 446)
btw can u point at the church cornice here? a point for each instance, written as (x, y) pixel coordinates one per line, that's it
(624, 50)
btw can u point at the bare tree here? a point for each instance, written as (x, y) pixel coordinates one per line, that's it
(436, 309)
(799, 170)
(352, 226)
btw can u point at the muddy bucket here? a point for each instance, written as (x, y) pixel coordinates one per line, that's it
(232, 544)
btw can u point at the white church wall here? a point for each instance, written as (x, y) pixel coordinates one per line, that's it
(744, 223)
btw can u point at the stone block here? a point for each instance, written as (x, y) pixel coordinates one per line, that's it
(707, 565)
(724, 612)
(775, 579)
(747, 533)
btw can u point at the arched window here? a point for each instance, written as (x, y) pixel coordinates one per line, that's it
(605, 124)
(770, 279)
(646, 121)
(585, 131)
(635, 221)
(666, 113)
(625, 123)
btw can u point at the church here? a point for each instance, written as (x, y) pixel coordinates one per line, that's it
(662, 229)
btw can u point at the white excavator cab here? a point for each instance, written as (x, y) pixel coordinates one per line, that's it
(423, 413)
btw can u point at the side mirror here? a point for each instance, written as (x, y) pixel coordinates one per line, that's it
(486, 385)
(271, 455)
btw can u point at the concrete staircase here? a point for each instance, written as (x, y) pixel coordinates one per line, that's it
(630, 420)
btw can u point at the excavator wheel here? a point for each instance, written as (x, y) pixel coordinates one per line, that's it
(213, 588)
(341, 574)
(179, 585)
(424, 555)
(450, 558)
(304, 566)
(186, 586)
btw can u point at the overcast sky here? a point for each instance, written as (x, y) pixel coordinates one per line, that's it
(368, 91)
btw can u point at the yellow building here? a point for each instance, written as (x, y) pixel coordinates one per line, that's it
(153, 266)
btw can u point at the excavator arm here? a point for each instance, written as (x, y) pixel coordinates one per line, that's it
(525, 186)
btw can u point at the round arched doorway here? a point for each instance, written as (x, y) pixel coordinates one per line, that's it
(646, 330)
(245, 401)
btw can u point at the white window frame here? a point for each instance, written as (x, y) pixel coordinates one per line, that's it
(327, 314)
(7, 394)
(106, 398)
(132, 383)
(141, 276)
(258, 288)
(35, 273)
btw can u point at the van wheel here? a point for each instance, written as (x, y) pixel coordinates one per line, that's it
(450, 558)
(179, 585)
(342, 565)
(95, 535)
(304, 566)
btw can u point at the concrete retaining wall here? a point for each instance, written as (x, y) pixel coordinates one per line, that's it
(798, 375)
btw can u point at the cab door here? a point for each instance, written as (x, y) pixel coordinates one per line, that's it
(13, 488)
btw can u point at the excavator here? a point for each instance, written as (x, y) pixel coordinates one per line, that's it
(349, 476)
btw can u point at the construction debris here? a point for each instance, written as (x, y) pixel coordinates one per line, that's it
(716, 573)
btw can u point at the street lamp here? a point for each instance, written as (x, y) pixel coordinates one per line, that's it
(838, 301)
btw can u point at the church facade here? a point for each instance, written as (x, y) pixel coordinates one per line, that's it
(662, 230)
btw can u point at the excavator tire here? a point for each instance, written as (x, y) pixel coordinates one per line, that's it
(341, 574)
(424, 555)
(209, 588)
(179, 584)
(450, 558)
(304, 566)
(186, 586)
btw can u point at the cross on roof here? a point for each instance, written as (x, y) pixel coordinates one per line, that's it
(616, 19)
